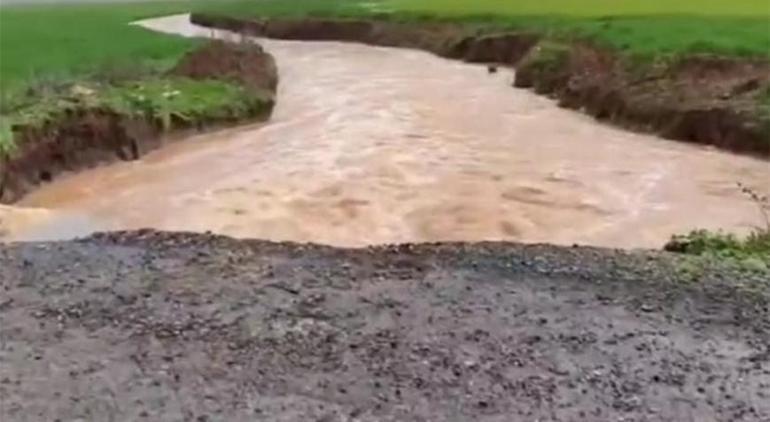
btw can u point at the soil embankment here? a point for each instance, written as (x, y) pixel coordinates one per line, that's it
(85, 137)
(182, 327)
(706, 100)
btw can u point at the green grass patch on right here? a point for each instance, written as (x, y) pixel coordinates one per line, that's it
(752, 251)
(725, 245)
(585, 7)
(639, 27)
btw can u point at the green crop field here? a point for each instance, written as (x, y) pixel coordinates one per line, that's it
(67, 40)
(587, 7)
(64, 41)
(643, 28)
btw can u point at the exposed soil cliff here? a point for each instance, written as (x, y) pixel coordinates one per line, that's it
(85, 137)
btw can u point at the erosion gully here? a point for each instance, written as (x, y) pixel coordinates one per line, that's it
(373, 145)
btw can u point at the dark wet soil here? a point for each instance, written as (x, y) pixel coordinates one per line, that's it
(181, 327)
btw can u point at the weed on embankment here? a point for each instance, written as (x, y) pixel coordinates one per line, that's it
(751, 252)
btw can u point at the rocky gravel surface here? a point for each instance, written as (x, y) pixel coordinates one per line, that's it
(183, 327)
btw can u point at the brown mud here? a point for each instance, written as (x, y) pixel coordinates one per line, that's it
(182, 327)
(246, 63)
(87, 137)
(705, 100)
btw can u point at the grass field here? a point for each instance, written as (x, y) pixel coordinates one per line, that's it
(640, 27)
(57, 41)
(45, 42)
(643, 28)
(587, 7)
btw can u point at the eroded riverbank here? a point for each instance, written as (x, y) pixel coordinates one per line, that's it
(375, 145)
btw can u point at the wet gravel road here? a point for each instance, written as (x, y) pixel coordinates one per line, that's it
(181, 327)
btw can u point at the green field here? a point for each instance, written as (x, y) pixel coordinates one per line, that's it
(45, 42)
(643, 28)
(58, 41)
(587, 7)
(640, 27)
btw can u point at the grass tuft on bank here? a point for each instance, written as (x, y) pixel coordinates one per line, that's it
(752, 251)
(721, 244)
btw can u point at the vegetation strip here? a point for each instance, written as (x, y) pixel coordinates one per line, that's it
(643, 29)
(751, 252)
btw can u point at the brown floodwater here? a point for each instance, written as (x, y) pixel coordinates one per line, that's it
(373, 145)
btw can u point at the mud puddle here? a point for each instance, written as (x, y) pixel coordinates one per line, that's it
(374, 145)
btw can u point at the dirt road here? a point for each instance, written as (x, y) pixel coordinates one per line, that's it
(174, 327)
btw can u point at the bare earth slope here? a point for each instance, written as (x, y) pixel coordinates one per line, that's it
(181, 327)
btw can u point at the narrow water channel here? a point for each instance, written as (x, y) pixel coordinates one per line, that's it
(374, 145)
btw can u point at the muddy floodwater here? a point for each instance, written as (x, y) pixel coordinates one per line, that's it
(372, 145)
